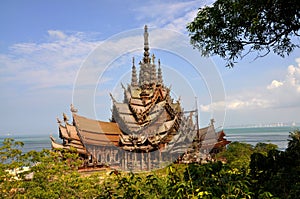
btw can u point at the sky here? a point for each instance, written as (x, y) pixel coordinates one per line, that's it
(54, 53)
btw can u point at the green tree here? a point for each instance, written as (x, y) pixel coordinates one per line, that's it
(11, 164)
(237, 154)
(229, 27)
(272, 174)
(53, 174)
(278, 173)
(264, 148)
(215, 180)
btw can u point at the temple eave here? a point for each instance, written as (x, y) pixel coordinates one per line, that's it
(77, 148)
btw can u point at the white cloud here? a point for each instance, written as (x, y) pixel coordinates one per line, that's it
(180, 23)
(236, 104)
(56, 34)
(215, 106)
(46, 64)
(55, 63)
(278, 94)
(274, 84)
(291, 84)
(252, 103)
(172, 15)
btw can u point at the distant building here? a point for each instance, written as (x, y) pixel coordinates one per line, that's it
(147, 129)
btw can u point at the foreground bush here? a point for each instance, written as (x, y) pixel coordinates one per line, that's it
(268, 173)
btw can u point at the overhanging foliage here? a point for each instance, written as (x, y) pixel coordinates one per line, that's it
(230, 27)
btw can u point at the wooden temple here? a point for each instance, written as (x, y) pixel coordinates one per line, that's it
(148, 129)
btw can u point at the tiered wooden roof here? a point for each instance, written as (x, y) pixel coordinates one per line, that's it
(147, 119)
(152, 120)
(69, 135)
(183, 140)
(98, 133)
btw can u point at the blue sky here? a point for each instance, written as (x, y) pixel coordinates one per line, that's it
(45, 45)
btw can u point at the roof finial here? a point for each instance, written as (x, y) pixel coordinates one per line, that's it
(159, 74)
(153, 58)
(153, 78)
(65, 117)
(58, 120)
(146, 45)
(112, 97)
(73, 109)
(134, 79)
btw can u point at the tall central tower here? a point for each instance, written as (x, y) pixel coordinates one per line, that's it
(147, 111)
(148, 75)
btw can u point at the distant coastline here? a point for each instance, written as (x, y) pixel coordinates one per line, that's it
(265, 125)
(267, 134)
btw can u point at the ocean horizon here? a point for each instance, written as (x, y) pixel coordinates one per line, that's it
(253, 135)
(250, 135)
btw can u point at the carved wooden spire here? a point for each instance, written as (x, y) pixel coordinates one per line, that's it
(153, 71)
(141, 74)
(134, 81)
(146, 45)
(159, 74)
(145, 66)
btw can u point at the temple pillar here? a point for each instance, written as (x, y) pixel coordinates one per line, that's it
(103, 157)
(156, 157)
(149, 161)
(142, 160)
(120, 160)
(129, 160)
(125, 160)
(135, 161)
(112, 158)
(159, 158)
(94, 157)
(94, 153)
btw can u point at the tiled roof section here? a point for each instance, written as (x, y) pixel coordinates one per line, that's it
(124, 118)
(93, 132)
(98, 139)
(209, 138)
(72, 132)
(123, 108)
(203, 131)
(136, 102)
(63, 134)
(78, 147)
(183, 140)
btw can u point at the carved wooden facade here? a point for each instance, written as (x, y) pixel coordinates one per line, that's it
(147, 129)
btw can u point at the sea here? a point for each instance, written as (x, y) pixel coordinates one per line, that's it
(250, 135)
(254, 135)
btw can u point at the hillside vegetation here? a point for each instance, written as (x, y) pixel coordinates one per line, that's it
(259, 171)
